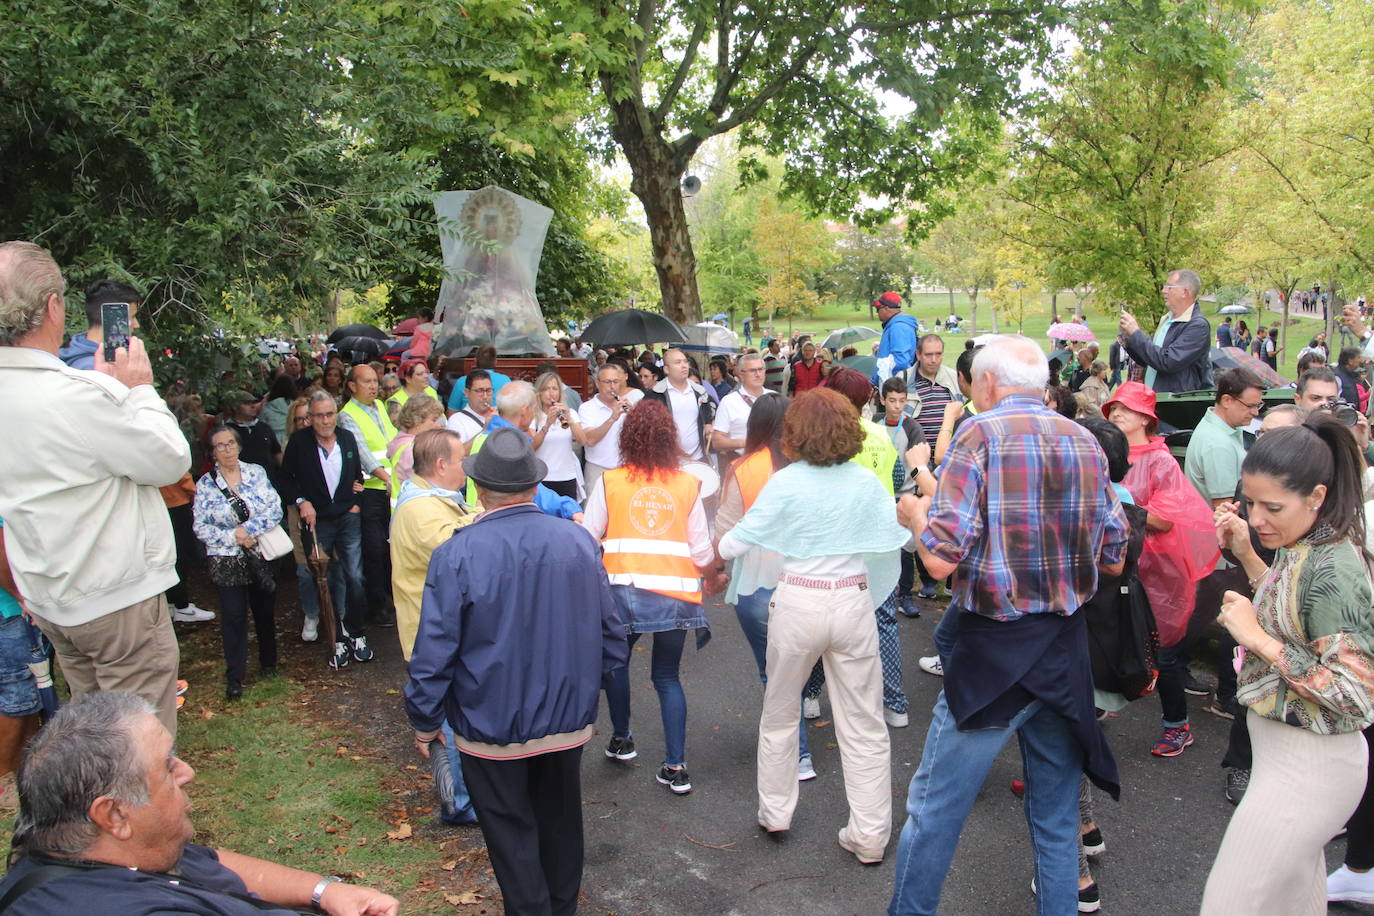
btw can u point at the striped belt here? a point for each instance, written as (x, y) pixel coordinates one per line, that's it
(861, 581)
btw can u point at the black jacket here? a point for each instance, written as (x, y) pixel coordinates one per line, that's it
(706, 408)
(1184, 362)
(302, 476)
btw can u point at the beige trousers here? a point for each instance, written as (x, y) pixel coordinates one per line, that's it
(133, 649)
(593, 473)
(1303, 788)
(838, 627)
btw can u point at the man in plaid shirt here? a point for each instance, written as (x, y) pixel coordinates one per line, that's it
(1025, 517)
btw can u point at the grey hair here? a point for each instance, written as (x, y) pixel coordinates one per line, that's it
(417, 410)
(1299, 413)
(1015, 362)
(320, 395)
(1188, 279)
(749, 357)
(28, 278)
(88, 750)
(514, 397)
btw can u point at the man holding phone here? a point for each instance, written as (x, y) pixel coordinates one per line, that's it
(100, 296)
(86, 531)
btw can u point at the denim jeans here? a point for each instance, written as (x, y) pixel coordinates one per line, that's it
(954, 766)
(752, 611)
(672, 702)
(1173, 672)
(342, 538)
(462, 801)
(305, 584)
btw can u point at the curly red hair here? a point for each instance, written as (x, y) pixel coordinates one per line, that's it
(648, 439)
(821, 427)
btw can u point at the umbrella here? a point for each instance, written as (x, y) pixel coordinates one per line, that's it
(318, 561)
(1064, 357)
(1236, 309)
(1070, 330)
(982, 340)
(367, 346)
(1236, 358)
(720, 316)
(633, 326)
(356, 330)
(405, 328)
(864, 364)
(844, 337)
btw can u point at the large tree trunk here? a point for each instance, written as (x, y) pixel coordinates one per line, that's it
(972, 310)
(656, 171)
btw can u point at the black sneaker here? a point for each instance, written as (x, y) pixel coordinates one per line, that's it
(1195, 687)
(621, 749)
(1237, 781)
(676, 780)
(361, 652)
(1089, 898)
(1093, 844)
(1226, 709)
(340, 658)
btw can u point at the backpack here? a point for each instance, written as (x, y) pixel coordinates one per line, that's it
(1123, 640)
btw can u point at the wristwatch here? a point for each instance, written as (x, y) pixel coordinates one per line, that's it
(318, 892)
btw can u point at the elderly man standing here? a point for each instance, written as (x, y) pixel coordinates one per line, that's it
(429, 508)
(732, 417)
(1178, 358)
(897, 348)
(601, 420)
(692, 408)
(515, 407)
(516, 671)
(87, 533)
(1026, 514)
(106, 828)
(367, 419)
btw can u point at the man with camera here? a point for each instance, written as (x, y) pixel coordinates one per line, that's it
(86, 531)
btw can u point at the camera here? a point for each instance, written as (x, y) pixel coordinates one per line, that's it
(1343, 411)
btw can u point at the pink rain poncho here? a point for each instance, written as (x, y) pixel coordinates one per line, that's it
(1172, 561)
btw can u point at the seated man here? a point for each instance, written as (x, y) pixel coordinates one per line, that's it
(104, 817)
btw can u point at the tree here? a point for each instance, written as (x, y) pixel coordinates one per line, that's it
(809, 82)
(1018, 286)
(793, 252)
(962, 250)
(1117, 166)
(871, 262)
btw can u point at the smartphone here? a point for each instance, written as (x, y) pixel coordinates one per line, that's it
(114, 321)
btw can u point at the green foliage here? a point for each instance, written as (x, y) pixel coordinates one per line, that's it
(1231, 294)
(870, 262)
(1117, 166)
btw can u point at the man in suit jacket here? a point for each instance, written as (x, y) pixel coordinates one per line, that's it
(322, 474)
(1178, 358)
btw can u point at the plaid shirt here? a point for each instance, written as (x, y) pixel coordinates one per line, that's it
(1026, 509)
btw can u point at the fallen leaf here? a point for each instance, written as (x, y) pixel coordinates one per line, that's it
(463, 899)
(449, 866)
(400, 833)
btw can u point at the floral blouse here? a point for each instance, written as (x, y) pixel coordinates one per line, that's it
(213, 520)
(1316, 601)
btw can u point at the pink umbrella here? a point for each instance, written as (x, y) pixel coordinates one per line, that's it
(1070, 330)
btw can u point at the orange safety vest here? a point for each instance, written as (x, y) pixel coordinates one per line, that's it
(646, 533)
(752, 473)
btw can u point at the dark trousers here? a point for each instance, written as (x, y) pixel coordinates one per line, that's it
(1238, 755)
(186, 545)
(531, 816)
(1359, 848)
(908, 575)
(377, 555)
(1172, 672)
(234, 603)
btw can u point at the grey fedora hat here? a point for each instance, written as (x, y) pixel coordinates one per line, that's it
(506, 463)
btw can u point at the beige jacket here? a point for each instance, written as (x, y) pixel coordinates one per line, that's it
(81, 461)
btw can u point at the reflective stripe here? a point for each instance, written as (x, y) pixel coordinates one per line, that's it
(380, 455)
(655, 583)
(647, 545)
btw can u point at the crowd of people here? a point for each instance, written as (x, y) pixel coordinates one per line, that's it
(520, 540)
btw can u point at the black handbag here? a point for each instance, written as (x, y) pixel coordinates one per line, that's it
(1123, 639)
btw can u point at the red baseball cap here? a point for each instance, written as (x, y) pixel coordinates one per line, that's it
(888, 300)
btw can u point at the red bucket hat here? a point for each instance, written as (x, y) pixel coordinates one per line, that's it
(1134, 396)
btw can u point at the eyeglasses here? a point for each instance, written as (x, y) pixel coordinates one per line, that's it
(317, 415)
(225, 446)
(479, 391)
(1253, 408)
(1170, 286)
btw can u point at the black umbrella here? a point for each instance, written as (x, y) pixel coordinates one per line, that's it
(633, 326)
(357, 330)
(365, 346)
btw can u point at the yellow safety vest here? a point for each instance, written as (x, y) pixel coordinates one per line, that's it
(878, 454)
(375, 438)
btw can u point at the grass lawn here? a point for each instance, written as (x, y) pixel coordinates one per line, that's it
(932, 307)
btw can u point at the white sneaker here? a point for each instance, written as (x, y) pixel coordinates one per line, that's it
(930, 664)
(191, 614)
(895, 719)
(806, 770)
(811, 708)
(311, 631)
(1350, 886)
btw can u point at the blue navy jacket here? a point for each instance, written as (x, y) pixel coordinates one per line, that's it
(899, 340)
(517, 625)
